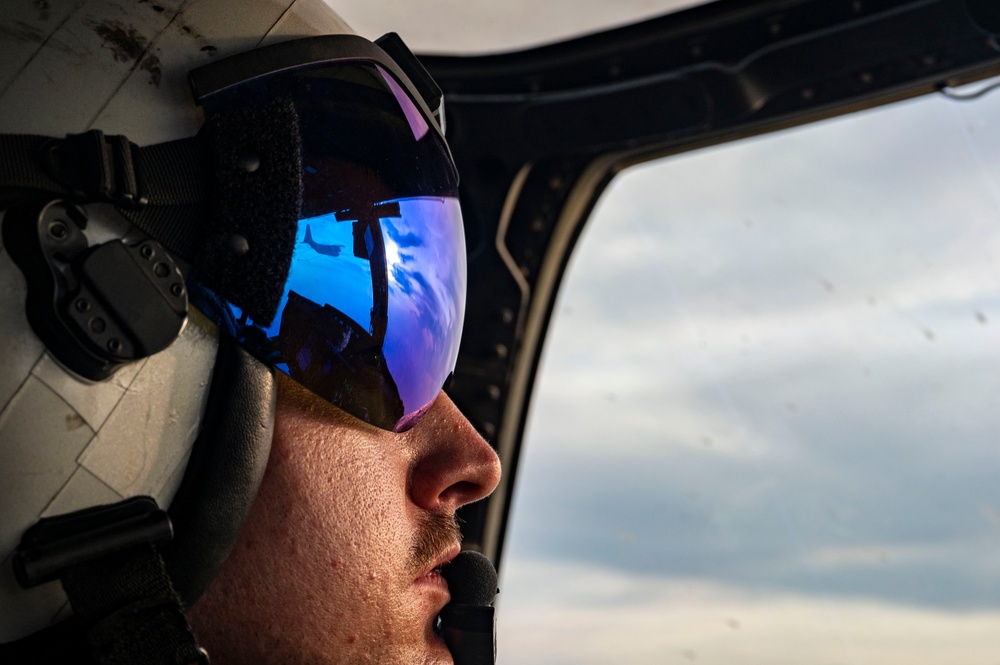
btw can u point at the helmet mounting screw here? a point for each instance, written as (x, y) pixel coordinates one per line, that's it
(238, 244)
(248, 161)
(58, 230)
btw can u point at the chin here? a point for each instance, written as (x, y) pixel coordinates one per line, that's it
(437, 650)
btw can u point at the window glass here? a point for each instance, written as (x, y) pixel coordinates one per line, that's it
(767, 424)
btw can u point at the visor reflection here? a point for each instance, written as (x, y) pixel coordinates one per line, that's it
(372, 307)
(372, 311)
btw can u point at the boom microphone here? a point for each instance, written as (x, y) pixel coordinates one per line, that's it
(468, 622)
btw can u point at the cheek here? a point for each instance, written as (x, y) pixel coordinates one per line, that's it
(322, 564)
(343, 499)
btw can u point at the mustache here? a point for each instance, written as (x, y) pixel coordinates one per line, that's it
(436, 532)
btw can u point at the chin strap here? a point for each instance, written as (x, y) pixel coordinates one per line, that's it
(125, 606)
(130, 611)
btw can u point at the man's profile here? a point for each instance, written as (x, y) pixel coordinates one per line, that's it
(219, 438)
(346, 535)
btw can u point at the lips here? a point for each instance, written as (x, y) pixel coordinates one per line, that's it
(443, 558)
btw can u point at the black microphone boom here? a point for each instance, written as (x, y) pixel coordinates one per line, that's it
(468, 622)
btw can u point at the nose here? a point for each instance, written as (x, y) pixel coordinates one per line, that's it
(453, 465)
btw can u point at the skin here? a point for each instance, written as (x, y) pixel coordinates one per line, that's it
(335, 564)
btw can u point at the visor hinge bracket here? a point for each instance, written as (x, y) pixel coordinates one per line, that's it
(97, 167)
(425, 84)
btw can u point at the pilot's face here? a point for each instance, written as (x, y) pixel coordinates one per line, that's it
(336, 562)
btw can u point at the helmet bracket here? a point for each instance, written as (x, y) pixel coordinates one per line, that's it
(95, 308)
(425, 84)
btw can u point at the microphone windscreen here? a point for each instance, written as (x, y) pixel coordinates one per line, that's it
(472, 579)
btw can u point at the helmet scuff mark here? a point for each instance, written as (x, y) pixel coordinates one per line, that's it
(44, 9)
(128, 45)
(152, 65)
(74, 421)
(22, 32)
(125, 42)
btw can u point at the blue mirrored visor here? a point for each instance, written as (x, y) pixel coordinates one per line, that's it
(371, 314)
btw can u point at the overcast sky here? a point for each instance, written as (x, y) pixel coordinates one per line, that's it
(769, 407)
(767, 420)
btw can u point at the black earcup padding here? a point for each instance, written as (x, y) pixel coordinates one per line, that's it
(225, 469)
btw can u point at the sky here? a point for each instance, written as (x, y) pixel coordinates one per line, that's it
(767, 413)
(766, 421)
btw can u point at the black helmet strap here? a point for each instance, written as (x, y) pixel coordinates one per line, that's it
(93, 166)
(226, 201)
(125, 606)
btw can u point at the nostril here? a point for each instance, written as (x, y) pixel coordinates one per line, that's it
(465, 489)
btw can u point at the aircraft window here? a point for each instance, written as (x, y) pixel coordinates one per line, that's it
(767, 423)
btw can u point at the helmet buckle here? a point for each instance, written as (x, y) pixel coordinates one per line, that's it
(55, 544)
(96, 167)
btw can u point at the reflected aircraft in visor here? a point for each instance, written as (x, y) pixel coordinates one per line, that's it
(371, 315)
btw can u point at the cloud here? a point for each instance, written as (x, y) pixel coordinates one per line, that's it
(403, 240)
(585, 615)
(785, 521)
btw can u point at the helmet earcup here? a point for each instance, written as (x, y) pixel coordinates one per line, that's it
(225, 470)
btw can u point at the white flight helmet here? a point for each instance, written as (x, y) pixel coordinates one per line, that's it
(197, 415)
